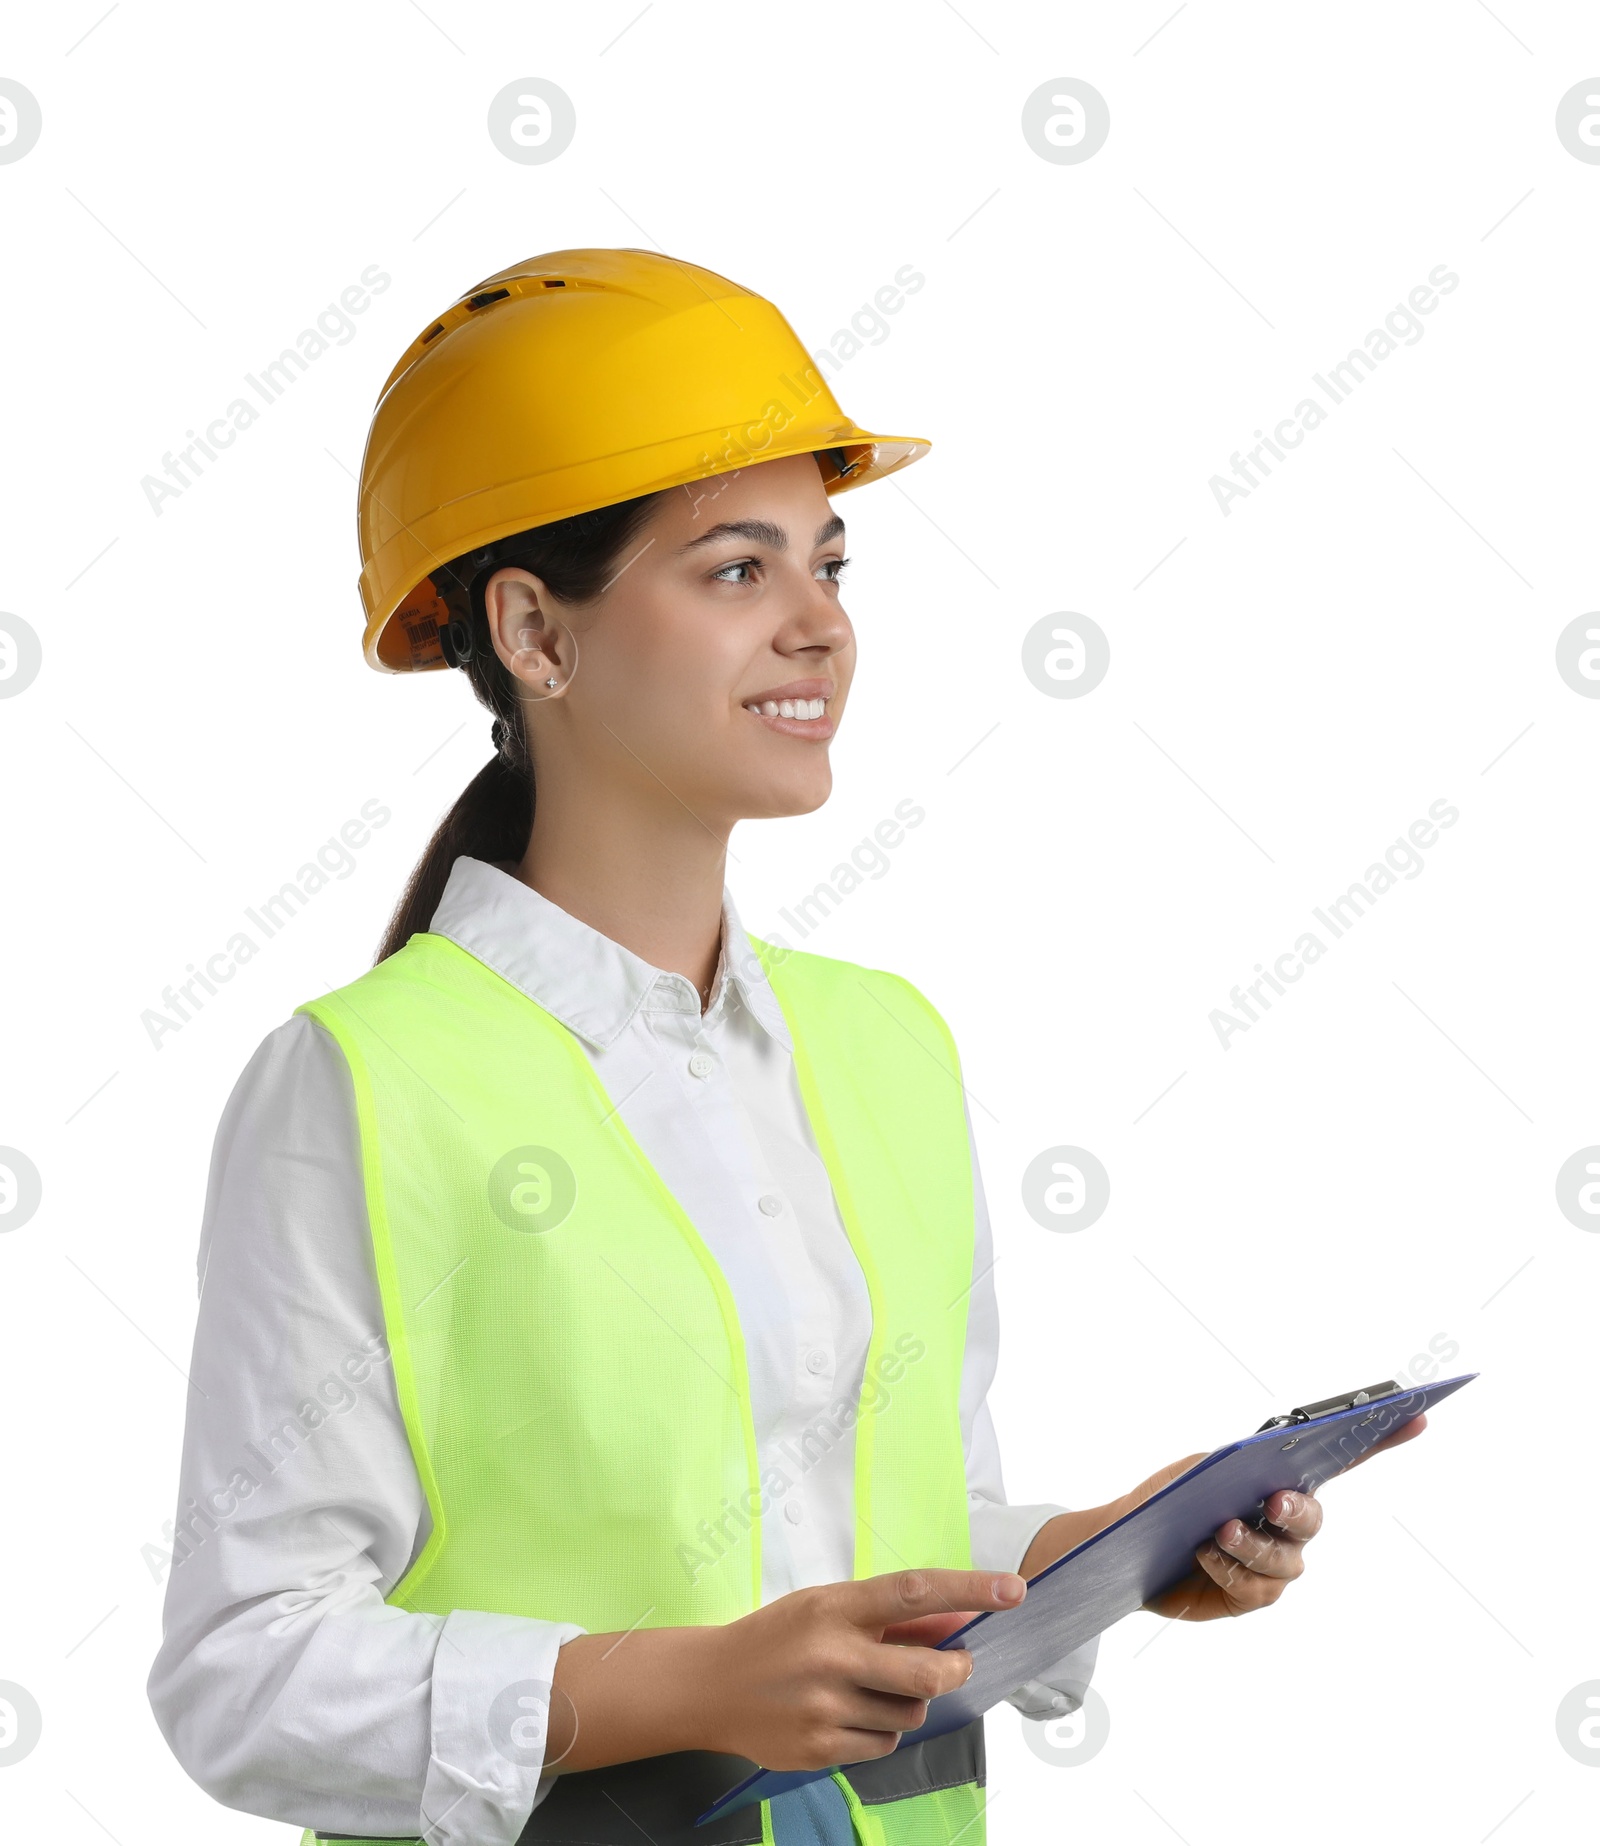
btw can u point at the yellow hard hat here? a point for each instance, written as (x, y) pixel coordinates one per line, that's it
(571, 382)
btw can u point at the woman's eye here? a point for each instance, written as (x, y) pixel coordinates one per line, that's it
(830, 570)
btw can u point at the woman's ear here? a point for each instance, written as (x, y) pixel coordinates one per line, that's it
(530, 641)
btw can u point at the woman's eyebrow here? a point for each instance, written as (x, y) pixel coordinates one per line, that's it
(758, 531)
(761, 532)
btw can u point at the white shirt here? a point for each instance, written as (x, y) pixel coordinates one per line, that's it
(285, 1684)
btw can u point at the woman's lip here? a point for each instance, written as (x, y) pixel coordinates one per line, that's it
(796, 689)
(818, 730)
(815, 730)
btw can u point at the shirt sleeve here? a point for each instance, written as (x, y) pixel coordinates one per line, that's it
(285, 1684)
(1001, 1533)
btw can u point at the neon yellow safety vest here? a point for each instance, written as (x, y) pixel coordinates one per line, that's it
(569, 1361)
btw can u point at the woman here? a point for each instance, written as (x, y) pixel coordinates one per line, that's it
(596, 1320)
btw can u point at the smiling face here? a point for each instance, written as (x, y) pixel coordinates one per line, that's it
(712, 671)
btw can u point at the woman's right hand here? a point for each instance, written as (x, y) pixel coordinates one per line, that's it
(831, 1674)
(836, 1673)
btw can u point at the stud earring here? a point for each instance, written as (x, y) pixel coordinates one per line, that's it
(535, 654)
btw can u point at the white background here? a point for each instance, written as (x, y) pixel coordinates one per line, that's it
(1371, 1166)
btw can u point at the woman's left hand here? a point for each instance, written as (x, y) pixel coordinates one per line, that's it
(1243, 1567)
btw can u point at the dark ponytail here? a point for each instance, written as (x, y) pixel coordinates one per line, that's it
(492, 818)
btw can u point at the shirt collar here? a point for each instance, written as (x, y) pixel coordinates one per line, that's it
(593, 985)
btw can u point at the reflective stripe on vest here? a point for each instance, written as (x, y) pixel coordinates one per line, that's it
(567, 1352)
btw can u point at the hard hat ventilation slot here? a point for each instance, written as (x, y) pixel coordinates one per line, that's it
(433, 332)
(488, 295)
(549, 284)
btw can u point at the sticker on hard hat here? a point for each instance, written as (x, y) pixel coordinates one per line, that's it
(422, 615)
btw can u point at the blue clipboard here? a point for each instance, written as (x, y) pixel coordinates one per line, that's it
(1118, 1570)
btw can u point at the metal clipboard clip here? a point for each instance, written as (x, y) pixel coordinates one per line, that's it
(1351, 1400)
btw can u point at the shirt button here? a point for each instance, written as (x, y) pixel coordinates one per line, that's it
(770, 1204)
(702, 1064)
(792, 1512)
(816, 1360)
